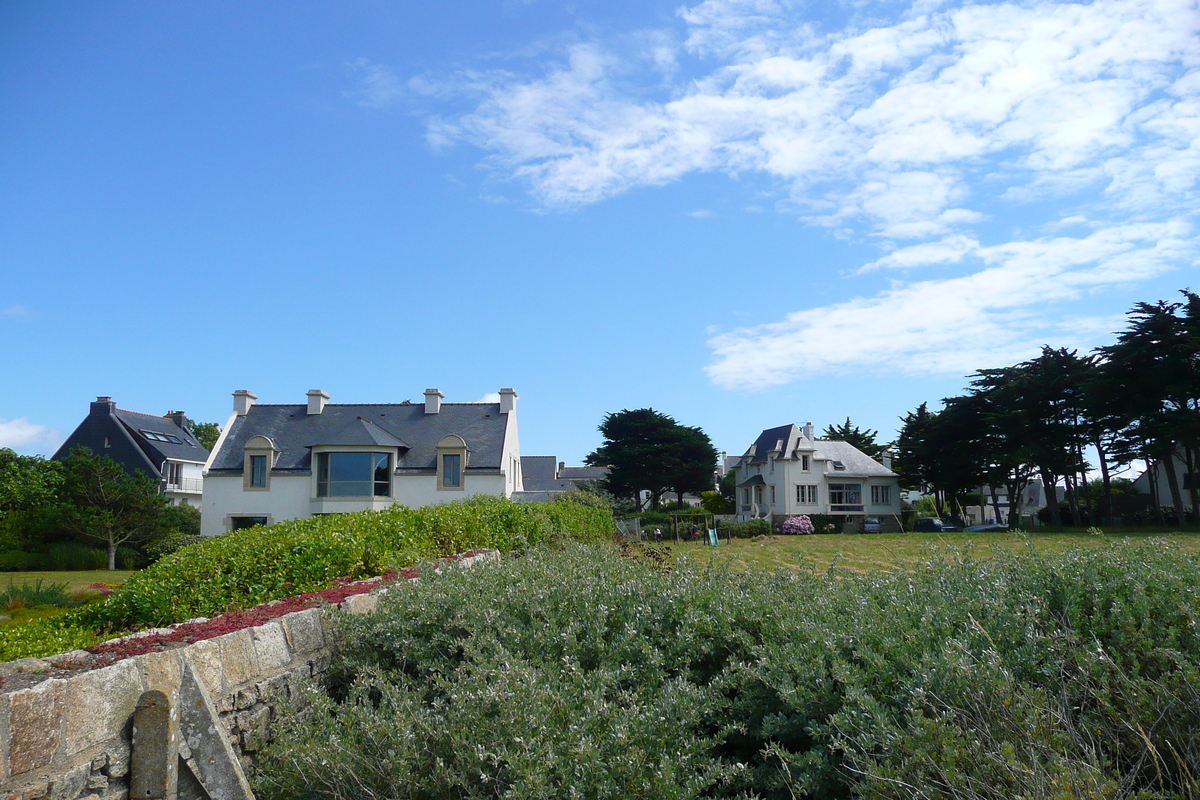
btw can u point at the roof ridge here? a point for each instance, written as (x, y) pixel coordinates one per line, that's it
(143, 414)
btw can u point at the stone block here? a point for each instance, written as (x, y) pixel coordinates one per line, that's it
(305, 630)
(238, 658)
(253, 725)
(245, 698)
(361, 604)
(275, 687)
(70, 784)
(118, 763)
(320, 663)
(97, 782)
(270, 647)
(205, 656)
(99, 703)
(31, 790)
(161, 671)
(35, 717)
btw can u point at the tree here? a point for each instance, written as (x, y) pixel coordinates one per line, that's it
(26, 482)
(104, 503)
(646, 450)
(863, 439)
(206, 433)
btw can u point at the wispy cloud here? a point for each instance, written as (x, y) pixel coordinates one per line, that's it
(21, 434)
(15, 311)
(912, 133)
(378, 84)
(489, 397)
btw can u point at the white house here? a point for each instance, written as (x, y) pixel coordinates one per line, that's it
(788, 472)
(280, 462)
(160, 447)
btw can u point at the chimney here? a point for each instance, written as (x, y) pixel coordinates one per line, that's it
(317, 400)
(886, 458)
(561, 466)
(508, 400)
(433, 401)
(808, 431)
(103, 407)
(242, 400)
(178, 417)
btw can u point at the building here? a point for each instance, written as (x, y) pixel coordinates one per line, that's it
(159, 447)
(545, 477)
(788, 472)
(295, 461)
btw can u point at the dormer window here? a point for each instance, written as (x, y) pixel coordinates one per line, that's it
(838, 466)
(452, 455)
(259, 457)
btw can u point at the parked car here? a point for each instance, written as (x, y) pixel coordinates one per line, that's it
(934, 525)
(872, 525)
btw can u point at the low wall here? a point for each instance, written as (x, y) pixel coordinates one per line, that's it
(67, 734)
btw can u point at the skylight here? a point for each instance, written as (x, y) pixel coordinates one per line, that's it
(837, 465)
(155, 436)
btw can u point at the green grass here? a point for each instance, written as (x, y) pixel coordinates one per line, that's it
(882, 551)
(76, 581)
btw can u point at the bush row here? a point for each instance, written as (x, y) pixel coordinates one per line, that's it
(579, 674)
(247, 567)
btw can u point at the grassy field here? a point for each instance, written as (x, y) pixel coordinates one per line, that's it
(879, 551)
(76, 582)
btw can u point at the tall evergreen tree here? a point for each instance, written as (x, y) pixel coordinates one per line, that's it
(646, 450)
(862, 438)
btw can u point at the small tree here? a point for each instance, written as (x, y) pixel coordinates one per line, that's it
(103, 503)
(862, 438)
(206, 433)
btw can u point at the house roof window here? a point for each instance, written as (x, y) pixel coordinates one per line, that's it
(838, 466)
(161, 437)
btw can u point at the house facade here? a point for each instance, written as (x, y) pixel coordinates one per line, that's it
(159, 447)
(788, 472)
(279, 462)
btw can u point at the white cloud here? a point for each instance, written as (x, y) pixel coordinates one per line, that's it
(21, 434)
(992, 317)
(379, 86)
(490, 397)
(15, 311)
(910, 132)
(700, 213)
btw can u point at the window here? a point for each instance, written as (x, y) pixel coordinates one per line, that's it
(161, 437)
(772, 495)
(240, 523)
(258, 472)
(772, 466)
(881, 495)
(804, 463)
(746, 496)
(452, 470)
(354, 475)
(838, 466)
(845, 497)
(806, 493)
(173, 473)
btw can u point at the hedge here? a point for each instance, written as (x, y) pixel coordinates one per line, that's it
(247, 567)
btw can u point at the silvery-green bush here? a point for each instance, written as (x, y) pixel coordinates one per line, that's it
(579, 673)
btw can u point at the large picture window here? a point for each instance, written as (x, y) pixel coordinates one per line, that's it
(845, 497)
(354, 475)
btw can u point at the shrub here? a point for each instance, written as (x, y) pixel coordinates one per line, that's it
(744, 530)
(19, 595)
(800, 525)
(72, 556)
(576, 673)
(247, 567)
(43, 637)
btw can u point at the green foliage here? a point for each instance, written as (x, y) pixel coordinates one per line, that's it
(35, 594)
(43, 637)
(26, 482)
(744, 530)
(575, 673)
(70, 556)
(247, 567)
(715, 503)
(206, 433)
(861, 438)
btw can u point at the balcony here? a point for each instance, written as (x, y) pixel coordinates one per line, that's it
(183, 485)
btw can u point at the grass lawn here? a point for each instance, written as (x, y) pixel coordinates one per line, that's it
(866, 552)
(76, 580)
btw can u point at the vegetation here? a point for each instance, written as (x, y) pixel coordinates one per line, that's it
(206, 433)
(646, 450)
(863, 439)
(1137, 399)
(580, 674)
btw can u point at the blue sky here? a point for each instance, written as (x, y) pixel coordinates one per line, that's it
(742, 213)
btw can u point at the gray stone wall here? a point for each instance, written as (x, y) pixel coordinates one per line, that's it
(66, 735)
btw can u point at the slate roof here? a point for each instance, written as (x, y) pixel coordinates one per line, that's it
(539, 469)
(789, 438)
(404, 425)
(187, 450)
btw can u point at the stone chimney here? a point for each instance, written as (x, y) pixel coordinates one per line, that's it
(433, 401)
(886, 458)
(808, 431)
(317, 400)
(103, 407)
(242, 400)
(178, 417)
(508, 400)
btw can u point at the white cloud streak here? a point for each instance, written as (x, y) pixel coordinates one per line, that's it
(916, 133)
(21, 434)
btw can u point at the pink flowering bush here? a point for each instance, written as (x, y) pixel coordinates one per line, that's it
(798, 525)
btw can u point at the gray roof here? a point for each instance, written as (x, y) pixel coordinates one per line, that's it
(539, 468)
(186, 449)
(583, 473)
(402, 425)
(787, 439)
